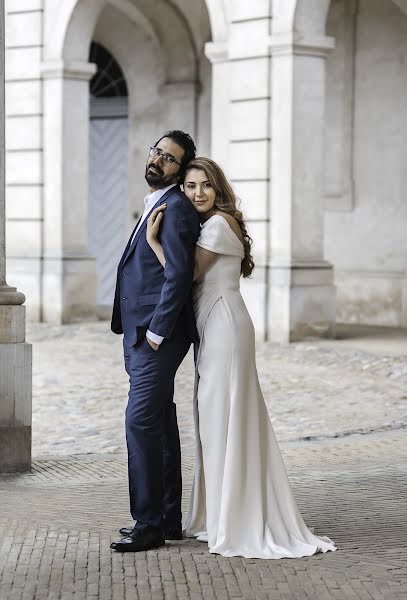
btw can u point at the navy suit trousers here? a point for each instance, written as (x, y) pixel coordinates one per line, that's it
(154, 455)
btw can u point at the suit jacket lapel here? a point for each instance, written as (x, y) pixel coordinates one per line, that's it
(128, 244)
(131, 246)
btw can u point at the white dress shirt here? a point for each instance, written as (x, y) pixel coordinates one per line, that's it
(149, 202)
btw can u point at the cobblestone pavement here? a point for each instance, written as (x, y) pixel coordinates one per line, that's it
(56, 525)
(311, 390)
(339, 413)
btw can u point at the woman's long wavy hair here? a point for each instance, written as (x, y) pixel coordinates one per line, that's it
(225, 201)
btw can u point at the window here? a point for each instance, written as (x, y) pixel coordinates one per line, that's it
(108, 81)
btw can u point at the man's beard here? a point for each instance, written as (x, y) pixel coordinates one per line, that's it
(156, 178)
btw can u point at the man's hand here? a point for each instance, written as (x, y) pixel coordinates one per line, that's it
(152, 344)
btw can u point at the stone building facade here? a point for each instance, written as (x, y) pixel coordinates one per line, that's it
(301, 101)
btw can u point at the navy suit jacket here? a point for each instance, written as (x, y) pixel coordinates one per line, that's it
(149, 296)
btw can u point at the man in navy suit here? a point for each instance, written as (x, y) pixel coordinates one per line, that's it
(153, 308)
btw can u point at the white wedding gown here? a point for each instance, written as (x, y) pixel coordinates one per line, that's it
(241, 501)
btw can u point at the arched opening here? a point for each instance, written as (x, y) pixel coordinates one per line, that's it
(149, 79)
(365, 178)
(108, 170)
(160, 54)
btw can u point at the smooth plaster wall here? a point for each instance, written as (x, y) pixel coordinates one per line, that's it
(368, 244)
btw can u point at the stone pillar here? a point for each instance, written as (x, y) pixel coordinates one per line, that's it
(69, 272)
(15, 354)
(404, 301)
(24, 152)
(217, 54)
(302, 294)
(241, 132)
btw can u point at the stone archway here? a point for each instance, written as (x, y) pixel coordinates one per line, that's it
(69, 275)
(365, 180)
(402, 5)
(359, 191)
(302, 295)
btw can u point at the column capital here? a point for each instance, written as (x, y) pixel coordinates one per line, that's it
(60, 69)
(216, 52)
(300, 44)
(10, 296)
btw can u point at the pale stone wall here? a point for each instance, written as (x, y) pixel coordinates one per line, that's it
(269, 146)
(366, 222)
(248, 133)
(169, 80)
(24, 177)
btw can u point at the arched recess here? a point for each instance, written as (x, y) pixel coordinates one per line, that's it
(365, 129)
(160, 47)
(300, 16)
(65, 19)
(68, 27)
(218, 11)
(311, 15)
(108, 171)
(402, 5)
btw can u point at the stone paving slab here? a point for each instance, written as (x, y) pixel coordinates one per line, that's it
(56, 525)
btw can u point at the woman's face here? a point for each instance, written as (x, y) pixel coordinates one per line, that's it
(198, 189)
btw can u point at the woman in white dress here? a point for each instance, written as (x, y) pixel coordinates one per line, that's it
(241, 502)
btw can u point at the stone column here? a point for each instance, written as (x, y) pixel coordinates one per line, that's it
(241, 132)
(69, 272)
(217, 54)
(15, 354)
(404, 301)
(302, 294)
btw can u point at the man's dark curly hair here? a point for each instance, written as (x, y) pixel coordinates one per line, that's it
(186, 142)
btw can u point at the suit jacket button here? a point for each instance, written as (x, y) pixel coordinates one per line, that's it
(124, 298)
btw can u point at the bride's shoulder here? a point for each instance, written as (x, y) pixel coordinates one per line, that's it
(232, 222)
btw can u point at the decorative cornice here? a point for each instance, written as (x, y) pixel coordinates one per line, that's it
(59, 69)
(216, 52)
(295, 43)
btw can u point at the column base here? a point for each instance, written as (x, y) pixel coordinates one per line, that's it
(15, 392)
(302, 302)
(15, 449)
(12, 324)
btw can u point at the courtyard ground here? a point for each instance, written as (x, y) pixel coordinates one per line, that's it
(339, 409)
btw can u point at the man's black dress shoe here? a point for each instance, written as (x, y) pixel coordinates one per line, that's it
(139, 540)
(171, 532)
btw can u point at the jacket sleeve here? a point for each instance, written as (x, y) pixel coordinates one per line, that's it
(179, 233)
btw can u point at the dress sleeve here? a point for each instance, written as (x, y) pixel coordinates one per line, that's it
(217, 236)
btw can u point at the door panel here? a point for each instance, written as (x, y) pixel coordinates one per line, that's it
(108, 203)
